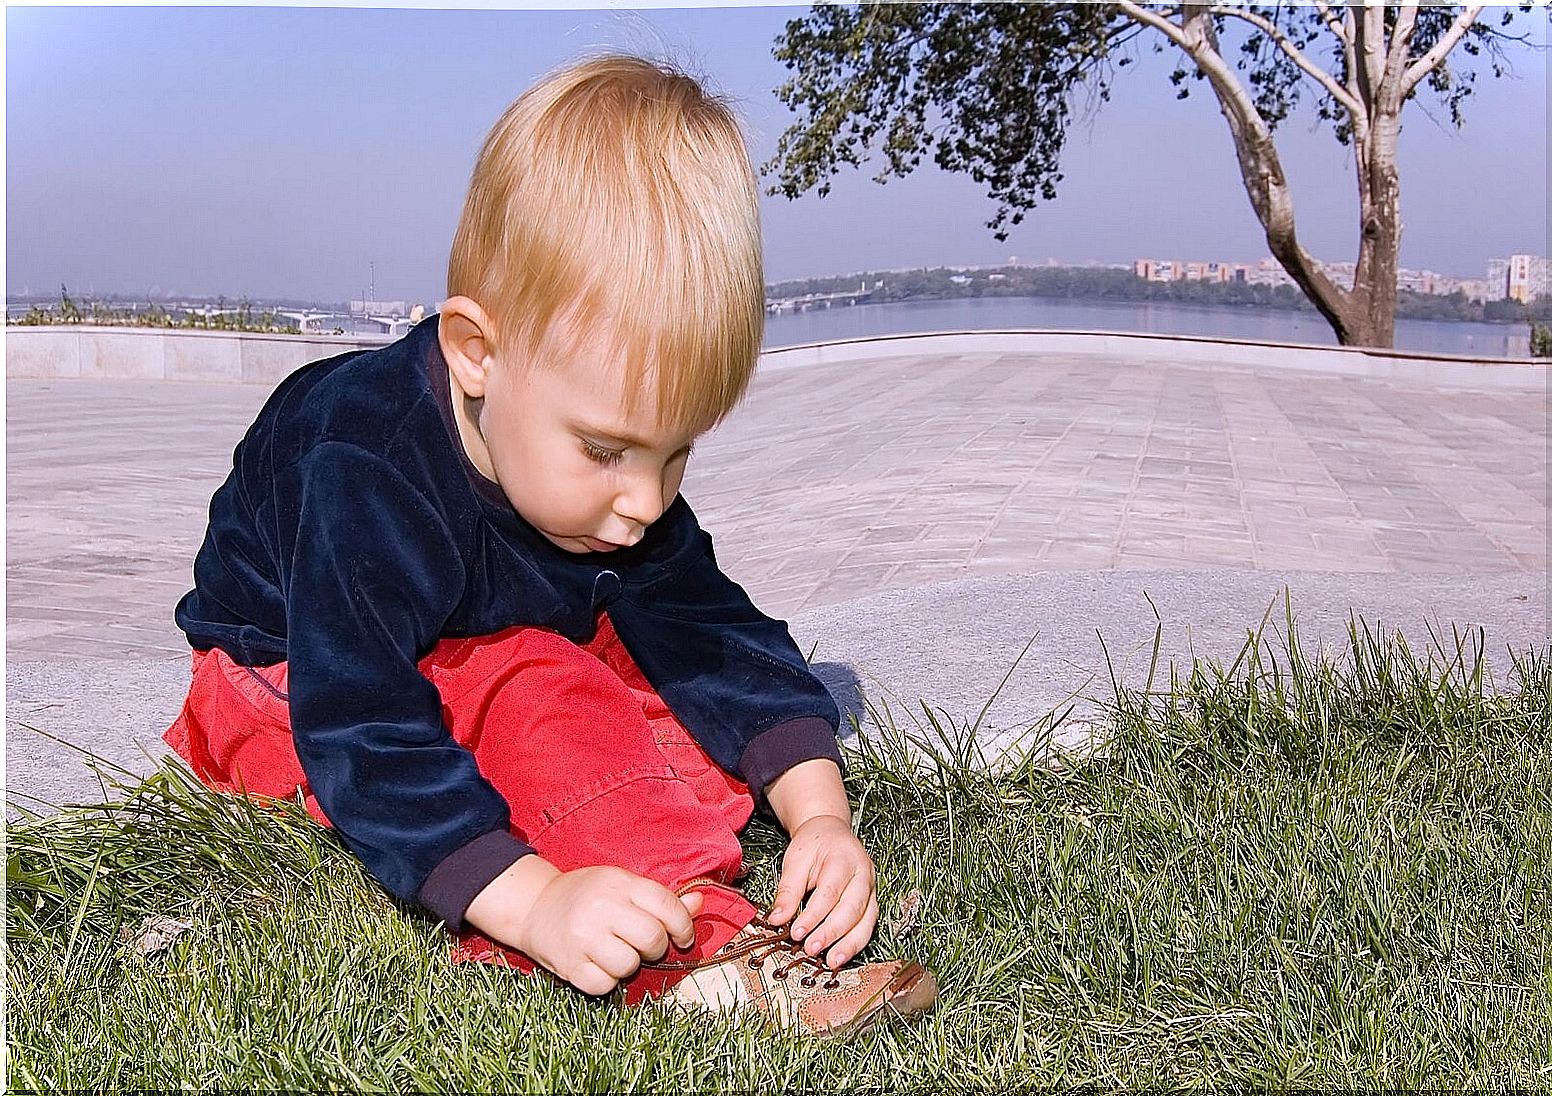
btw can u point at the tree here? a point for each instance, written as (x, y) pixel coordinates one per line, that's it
(985, 88)
(68, 309)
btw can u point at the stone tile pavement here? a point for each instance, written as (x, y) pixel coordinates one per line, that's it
(836, 482)
(919, 521)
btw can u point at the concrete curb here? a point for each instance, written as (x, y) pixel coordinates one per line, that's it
(1427, 369)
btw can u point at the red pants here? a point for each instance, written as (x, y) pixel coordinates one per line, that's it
(595, 768)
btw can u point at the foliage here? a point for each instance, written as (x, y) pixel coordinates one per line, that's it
(68, 309)
(106, 314)
(1288, 872)
(987, 89)
(1541, 340)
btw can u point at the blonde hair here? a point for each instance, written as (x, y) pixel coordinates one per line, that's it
(614, 205)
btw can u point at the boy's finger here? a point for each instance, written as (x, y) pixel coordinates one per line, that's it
(643, 932)
(843, 916)
(590, 978)
(820, 903)
(615, 956)
(693, 903)
(790, 889)
(854, 941)
(674, 911)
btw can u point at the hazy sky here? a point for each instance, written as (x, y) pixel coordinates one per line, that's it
(279, 151)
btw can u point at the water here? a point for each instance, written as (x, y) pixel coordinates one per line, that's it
(1016, 313)
(1011, 313)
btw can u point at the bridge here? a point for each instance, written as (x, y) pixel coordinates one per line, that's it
(317, 321)
(815, 300)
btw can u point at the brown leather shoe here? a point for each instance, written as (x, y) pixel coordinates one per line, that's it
(764, 970)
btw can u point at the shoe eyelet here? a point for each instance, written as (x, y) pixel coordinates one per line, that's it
(832, 983)
(808, 981)
(756, 962)
(779, 975)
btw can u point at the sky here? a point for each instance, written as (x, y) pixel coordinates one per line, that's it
(296, 151)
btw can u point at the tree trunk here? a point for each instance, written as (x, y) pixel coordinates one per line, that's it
(1379, 80)
(1260, 168)
(1371, 319)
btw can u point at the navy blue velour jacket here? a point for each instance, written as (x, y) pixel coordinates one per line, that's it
(353, 533)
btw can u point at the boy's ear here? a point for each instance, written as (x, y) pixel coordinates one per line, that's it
(468, 340)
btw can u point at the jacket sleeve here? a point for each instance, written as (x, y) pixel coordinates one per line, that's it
(374, 573)
(731, 674)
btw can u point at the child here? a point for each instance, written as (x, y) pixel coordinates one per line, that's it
(450, 595)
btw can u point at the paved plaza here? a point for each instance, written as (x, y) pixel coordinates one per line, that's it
(918, 518)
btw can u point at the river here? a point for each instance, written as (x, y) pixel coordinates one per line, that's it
(1221, 321)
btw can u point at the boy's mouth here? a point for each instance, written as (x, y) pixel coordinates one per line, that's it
(596, 545)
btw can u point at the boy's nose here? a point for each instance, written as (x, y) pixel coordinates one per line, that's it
(640, 505)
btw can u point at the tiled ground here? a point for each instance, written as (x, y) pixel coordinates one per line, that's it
(834, 482)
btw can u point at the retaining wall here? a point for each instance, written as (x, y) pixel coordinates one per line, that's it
(160, 354)
(246, 358)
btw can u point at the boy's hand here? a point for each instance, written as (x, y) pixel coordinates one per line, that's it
(590, 926)
(826, 858)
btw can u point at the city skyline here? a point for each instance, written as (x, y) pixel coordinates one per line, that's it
(261, 152)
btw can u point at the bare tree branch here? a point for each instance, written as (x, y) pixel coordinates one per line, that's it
(1370, 39)
(1343, 29)
(1330, 19)
(1400, 38)
(1374, 16)
(1425, 64)
(1275, 33)
(1231, 91)
(1164, 26)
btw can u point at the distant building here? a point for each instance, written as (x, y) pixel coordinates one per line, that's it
(1479, 289)
(1498, 275)
(1519, 277)
(1267, 272)
(1424, 281)
(1526, 279)
(1340, 273)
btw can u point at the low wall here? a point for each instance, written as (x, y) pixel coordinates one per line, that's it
(235, 357)
(1433, 369)
(162, 354)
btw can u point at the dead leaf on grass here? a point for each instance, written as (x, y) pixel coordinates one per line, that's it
(155, 933)
(907, 910)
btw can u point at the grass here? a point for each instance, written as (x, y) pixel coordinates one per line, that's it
(1283, 873)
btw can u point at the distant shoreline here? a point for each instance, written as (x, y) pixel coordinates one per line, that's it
(843, 321)
(1109, 285)
(1077, 285)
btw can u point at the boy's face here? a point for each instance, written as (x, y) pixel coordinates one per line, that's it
(571, 461)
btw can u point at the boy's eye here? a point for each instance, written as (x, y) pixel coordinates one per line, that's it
(600, 454)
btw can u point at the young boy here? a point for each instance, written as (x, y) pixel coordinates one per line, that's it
(450, 595)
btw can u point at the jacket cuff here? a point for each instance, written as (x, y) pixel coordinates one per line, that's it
(772, 752)
(454, 882)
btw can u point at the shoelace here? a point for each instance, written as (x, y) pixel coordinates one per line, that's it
(756, 951)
